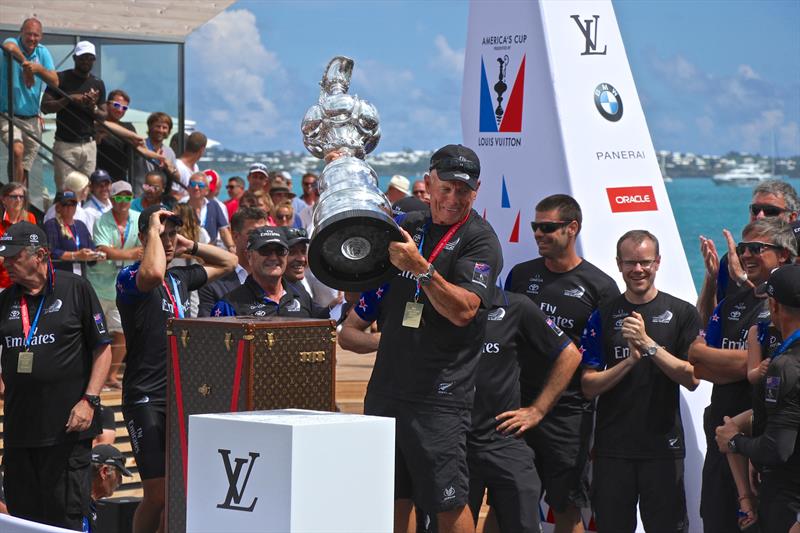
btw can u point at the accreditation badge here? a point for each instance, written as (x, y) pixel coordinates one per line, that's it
(412, 315)
(25, 363)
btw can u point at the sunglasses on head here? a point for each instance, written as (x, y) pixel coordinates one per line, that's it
(117, 105)
(121, 198)
(198, 184)
(549, 227)
(269, 250)
(755, 247)
(768, 210)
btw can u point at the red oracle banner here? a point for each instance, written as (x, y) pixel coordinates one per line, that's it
(628, 199)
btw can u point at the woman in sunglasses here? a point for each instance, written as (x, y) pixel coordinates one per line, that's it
(14, 198)
(209, 214)
(69, 240)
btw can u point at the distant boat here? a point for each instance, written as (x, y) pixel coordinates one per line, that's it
(663, 167)
(744, 174)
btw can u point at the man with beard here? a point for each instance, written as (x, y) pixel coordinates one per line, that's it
(264, 292)
(159, 125)
(721, 358)
(242, 223)
(433, 321)
(85, 102)
(635, 349)
(147, 295)
(567, 288)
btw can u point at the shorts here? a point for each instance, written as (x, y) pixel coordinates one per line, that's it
(50, 485)
(778, 504)
(113, 321)
(657, 486)
(147, 424)
(430, 452)
(32, 130)
(513, 484)
(81, 155)
(561, 448)
(107, 417)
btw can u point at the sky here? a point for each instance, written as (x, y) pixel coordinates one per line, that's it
(713, 75)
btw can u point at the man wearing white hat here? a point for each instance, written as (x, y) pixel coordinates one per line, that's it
(75, 114)
(398, 188)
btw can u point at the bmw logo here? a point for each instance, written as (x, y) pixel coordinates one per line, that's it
(608, 102)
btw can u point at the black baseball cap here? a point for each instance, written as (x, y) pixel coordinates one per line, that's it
(144, 217)
(100, 175)
(456, 162)
(106, 454)
(295, 235)
(264, 236)
(65, 196)
(784, 285)
(19, 236)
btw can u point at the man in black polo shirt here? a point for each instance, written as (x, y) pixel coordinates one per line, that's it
(147, 295)
(55, 355)
(85, 102)
(516, 330)
(777, 449)
(721, 358)
(264, 292)
(433, 320)
(634, 354)
(567, 288)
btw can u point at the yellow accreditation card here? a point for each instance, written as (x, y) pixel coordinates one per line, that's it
(25, 363)
(413, 315)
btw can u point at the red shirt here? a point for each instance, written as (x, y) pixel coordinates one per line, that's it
(5, 281)
(232, 205)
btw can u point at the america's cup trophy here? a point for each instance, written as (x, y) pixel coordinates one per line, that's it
(352, 220)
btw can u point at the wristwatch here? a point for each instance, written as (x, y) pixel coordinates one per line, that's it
(425, 277)
(650, 351)
(93, 400)
(732, 443)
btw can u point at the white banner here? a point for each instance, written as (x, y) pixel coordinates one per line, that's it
(550, 106)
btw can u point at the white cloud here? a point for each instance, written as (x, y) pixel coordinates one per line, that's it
(451, 60)
(236, 76)
(747, 72)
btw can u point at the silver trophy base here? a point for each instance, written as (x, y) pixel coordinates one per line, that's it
(350, 250)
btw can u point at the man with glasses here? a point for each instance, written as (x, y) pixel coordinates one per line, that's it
(771, 199)
(721, 358)
(235, 188)
(116, 139)
(264, 292)
(32, 64)
(635, 357)
(148, 293)
(116, 235)
(85, 102)
(568, 289)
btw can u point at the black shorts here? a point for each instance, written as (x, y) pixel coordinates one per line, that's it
(778, 503)
(147, 427)
(561, 447)
(430, 452)
(49, 485)
(107, 417)
(657, 486)
(513, 484)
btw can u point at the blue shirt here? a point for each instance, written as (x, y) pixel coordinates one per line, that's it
(26, 101)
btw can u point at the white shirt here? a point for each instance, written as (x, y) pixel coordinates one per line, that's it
(94, 208)
(185, 173)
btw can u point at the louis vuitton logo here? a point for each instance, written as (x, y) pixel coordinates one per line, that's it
(591, 40)
(233, 498)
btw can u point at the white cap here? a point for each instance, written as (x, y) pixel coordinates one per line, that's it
(84, 47)
(400, 183)
(120, 186)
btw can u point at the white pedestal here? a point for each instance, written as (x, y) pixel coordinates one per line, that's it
(290, 471)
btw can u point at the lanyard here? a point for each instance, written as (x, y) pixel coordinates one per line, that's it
(74, 235)
(122, 237)
(27, 329)
(439, 246)
(152, 148)
(794, 337)
(97, 204)
(176, 305)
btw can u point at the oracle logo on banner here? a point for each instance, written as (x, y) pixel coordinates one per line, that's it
(628, 199)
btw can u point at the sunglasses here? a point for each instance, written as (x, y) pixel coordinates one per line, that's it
(549, 227)
(283, 217)
(69, 204)
(152, 188)
(269, 250)
(309, 183)
(631, 263)
(15, 197)
(123, 198)
(198, 184)
(768, 210)
(230, 186)
(755, 247)
(117, 105)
